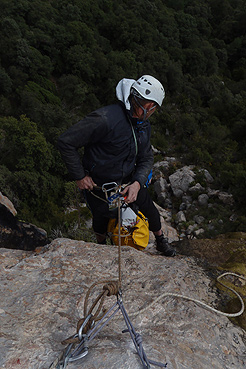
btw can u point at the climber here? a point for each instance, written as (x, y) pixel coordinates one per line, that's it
(116, 141)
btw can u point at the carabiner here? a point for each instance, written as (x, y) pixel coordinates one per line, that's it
(81, 351)
(83, 325)
(104, 186)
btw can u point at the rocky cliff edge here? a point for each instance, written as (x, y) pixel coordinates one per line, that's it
(42, 300)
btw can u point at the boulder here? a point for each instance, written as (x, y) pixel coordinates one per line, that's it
(181, 180)
(203, 199)
(42, 299)
(226, 198)
(197, 188)
(191, 228)
(199, 219)
(5, 202)
(180, 217)
(186, 202)
(160, 186)
(207, 175)
(155, 151)
(212, 192)
(199, 232)
(15, 234)
(164, 165)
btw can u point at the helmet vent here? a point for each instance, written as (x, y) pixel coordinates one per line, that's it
(149, 88)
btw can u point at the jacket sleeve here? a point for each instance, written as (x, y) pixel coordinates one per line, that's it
(88, 130)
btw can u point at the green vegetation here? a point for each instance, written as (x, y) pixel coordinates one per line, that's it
(225, 253)
(59, 60)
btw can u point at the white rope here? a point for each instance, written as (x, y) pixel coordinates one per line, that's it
(231, 315)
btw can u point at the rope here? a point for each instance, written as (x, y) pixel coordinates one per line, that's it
(98, 197)
(119, 241)
(119, 233)
(114, 288)
(110, 288)
(230, 315)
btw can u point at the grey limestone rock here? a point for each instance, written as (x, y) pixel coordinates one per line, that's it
(207, 175)
(181, 180)
(203, 199)
(180, 217)
(197, 188)
(42, 298)
(15, 234)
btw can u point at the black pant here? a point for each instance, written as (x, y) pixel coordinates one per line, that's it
(101, 213)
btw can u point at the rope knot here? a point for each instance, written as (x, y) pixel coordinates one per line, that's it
(112, 288)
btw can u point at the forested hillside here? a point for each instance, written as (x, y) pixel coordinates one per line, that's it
(61, 59)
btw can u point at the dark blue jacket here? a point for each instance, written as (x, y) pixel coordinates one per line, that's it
(111, 152)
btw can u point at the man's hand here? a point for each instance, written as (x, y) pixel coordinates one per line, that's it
(131, 192)
(86, 183)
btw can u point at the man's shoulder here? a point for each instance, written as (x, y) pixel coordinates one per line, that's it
(113, 114)
(113, 108)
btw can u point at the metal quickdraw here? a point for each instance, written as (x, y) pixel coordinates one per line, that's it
(73, 354)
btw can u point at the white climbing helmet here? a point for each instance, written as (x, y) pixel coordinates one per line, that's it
(149, 88)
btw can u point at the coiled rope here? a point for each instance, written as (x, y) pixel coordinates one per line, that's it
(110, 288)
(206, 306)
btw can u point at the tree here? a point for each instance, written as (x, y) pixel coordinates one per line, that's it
(23, 146)
(5, 82)
(59, 60)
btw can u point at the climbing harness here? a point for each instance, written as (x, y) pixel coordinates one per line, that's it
(112, 188)
(93, 322)
(95, 317)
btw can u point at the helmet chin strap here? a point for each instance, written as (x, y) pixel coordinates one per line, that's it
(145, 111)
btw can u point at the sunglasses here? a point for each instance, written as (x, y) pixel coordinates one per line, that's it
(142, 102)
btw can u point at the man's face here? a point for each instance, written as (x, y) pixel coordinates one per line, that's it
(139, 105)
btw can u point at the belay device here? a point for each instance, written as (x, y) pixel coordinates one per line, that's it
(94, 320)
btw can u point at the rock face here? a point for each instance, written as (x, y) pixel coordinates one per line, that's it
(15, 234)
(180, 190)
(42, 300)
(4, 201)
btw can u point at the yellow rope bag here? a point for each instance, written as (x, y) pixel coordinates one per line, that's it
(136, 236)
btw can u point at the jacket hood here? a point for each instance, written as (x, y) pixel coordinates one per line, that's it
(123, 90)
